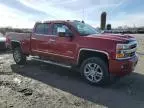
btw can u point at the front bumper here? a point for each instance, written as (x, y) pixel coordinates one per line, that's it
(122, 67)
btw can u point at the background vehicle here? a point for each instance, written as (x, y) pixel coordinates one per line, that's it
(76, 44)
(2, 42)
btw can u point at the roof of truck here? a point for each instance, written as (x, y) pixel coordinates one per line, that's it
(49, 21)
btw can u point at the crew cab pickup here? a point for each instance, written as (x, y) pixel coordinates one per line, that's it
(98, 56)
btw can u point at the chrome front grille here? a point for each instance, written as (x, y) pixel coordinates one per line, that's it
(132, 48)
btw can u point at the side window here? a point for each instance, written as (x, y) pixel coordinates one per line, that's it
(39, 29)
(46, 28)
(42, 28)
(56, 26)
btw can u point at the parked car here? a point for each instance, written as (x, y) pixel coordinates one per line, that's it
(2, 42)
(97, 56)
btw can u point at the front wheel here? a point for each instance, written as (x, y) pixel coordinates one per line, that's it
(95, 71)
(18, 56)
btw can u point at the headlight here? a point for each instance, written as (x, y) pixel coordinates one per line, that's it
(119, 50)
(120, 54)
(122, 46)
(124, 51)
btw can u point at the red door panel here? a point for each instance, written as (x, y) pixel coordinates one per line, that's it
(64, 49)
(40, 41)
(65, 46)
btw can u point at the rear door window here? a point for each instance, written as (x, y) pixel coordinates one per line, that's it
(42, 28)
(39, 29)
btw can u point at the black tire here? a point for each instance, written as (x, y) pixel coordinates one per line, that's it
(89, 65)
(20, 58)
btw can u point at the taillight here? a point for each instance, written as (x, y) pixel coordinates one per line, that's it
(7, 39)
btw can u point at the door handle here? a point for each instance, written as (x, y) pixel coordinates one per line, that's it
(51, 41)
(33, 38)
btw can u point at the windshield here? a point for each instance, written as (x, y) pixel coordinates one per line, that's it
(84, 29)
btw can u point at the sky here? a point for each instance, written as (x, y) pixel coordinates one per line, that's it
(24, 13)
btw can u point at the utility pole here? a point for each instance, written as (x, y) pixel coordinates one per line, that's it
(83, 14)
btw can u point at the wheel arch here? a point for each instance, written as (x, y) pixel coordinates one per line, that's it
(15, 44)
(85, 53)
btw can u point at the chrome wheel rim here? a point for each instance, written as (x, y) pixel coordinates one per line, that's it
(93, 72)
(17, 56)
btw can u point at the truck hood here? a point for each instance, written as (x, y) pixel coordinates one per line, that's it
(114, 37)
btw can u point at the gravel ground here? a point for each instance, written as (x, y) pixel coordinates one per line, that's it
(38, 85)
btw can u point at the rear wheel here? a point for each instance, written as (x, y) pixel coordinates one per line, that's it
(18, 56)
(95, 71)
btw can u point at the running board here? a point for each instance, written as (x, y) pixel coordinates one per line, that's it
(51, 62)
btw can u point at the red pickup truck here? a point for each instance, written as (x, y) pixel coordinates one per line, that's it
(76, 44)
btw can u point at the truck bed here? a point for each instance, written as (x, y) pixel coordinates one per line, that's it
(23, 38)
(18, 36)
